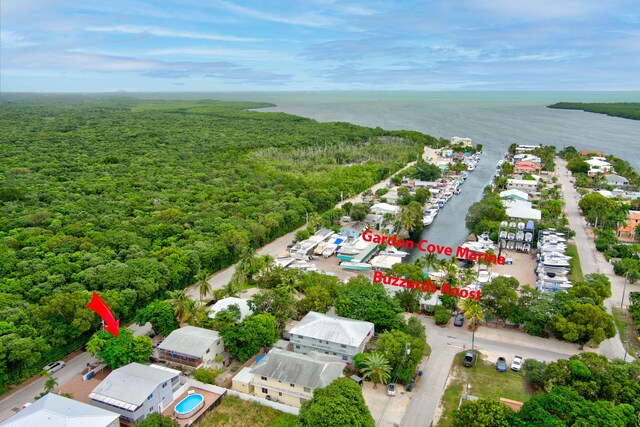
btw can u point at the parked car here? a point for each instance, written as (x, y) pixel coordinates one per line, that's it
(391, 390)
(54, 366)
(516, 365)
(469, 359)
(501, 364)
(459, 320)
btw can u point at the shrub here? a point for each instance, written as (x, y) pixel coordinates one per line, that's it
(442, 315)
(207, 376)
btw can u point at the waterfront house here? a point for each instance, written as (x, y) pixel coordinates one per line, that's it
(628, 231)
(521, 148)
(134, 391)
(333, 335)
(616, 180)
(526, 157)
(599, 165)
(191, 347)
(464, 142)
(385, 208)
(290, 378)
(514, 195)
(520, 210)
(224, 303)
(527, 167)
(526, 185)
(55, 410)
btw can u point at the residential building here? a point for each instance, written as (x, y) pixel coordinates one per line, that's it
(523, 148)
(585, 153)
(290, 378)
(628, 231)
(54, 410)
(465, 142)
(333, 335)
(514, 195)
(134, 391)
(616, 180)
(599, 165)
(191, 346)
(527, 167)
(384, 208)
(508, 203)
(224, 303)
(526, 157)
(525, 185)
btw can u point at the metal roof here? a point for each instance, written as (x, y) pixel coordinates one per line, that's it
(306, 370)
(129, 386)
(224, 303)
(335, 329)
(190, 340)
(53, 410)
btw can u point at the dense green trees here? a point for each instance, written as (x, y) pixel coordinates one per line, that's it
(245, 339)
(338, 404)
(627, 110)
(161, 316)
(482, 413)
(362, 300)
(120, 351)
(395, 345)
(134, 198)
(486, 214)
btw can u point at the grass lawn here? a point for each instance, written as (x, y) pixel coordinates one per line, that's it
(234, 411)
(485, 382)
(627, 330)
(576, 268)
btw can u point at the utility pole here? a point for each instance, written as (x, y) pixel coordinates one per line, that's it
(624, 289)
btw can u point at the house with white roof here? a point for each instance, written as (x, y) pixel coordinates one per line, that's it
(516, 203)
(290, 378)
(333, 335)
(384, 208)
(599, 165)
(514, 195)
(616, 180)
(224, 303)
(134, 391)
(465, 142)
(53, 410)
(526, 185)
(191, 347)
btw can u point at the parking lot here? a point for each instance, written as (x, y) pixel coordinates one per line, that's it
(386, 410)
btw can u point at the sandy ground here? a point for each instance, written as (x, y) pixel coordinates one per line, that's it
(522, 267)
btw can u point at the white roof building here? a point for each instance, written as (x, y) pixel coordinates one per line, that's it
(223, 304)
(129, 386)
(383, 208)
(335, 329)
(516, 204)
(465, 142)
(524, 212)
(514, 195)
(53, 410)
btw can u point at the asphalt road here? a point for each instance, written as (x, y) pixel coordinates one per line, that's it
(593, 261)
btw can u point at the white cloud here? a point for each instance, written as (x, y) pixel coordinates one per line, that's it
(254, 54)
(162, 32)
(306, 20)
(9, 39)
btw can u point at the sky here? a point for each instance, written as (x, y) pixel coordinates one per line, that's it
(212, 45)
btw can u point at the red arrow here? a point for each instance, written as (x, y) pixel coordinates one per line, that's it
(99, 306)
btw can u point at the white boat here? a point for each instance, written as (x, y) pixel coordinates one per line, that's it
(471, 167)
(391, 251)
(521, 226)
(511, 236)
(528, 236)
(503, 234)
(359, 266)
(427, 220)
(520, 235)
(456, 191)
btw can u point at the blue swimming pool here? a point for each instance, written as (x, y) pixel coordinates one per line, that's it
(189, 405)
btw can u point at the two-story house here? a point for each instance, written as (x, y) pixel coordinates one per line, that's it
(55, 410)
(191, 347)
(134, 391)
(290, 378)
(333, 335)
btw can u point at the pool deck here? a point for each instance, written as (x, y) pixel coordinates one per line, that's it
(209, 399)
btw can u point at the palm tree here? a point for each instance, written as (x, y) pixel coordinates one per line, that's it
(194, 313)
(376, 368)
(472, 310)
(246, 268)
(178, 299)
(203, 284)
(469, 276)
(428, 261)
(232, 289)
(50, 382)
